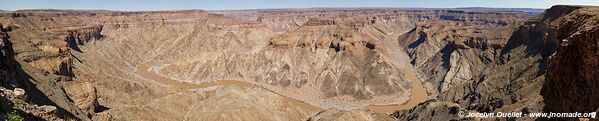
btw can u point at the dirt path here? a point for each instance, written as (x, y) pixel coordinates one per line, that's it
(418, 93)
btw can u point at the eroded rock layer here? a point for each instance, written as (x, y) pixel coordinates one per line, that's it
(571, 83)
(545, 66)
(304, 61)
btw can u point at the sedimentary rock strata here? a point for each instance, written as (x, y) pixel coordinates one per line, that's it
(572, 70)
(299, 64)
(534, 71)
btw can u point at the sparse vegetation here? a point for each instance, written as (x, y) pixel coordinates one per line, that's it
(14, 116)
(18, 102)
(71, 119)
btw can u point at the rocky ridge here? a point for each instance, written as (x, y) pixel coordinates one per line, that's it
(479, 61)
(570, 84)
(15, 100)
(524, 75)
(336, 36)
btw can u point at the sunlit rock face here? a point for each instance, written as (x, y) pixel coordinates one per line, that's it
(330, 58)
(545, 65)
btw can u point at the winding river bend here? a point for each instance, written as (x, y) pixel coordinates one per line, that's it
(418, 92)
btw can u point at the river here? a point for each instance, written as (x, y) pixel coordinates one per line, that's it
(418, 92)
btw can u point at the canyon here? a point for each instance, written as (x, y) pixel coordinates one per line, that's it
(300, 64)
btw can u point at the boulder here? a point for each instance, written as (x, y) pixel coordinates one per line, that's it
(104, 116)
(48, 109)
(83, 94)
(19, 93)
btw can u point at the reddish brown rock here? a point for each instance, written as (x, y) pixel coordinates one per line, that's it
(83, 94)
(571, 81)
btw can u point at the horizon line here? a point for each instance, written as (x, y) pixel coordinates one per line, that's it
(282, 8)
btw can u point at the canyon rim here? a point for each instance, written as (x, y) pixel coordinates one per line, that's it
(288, 64)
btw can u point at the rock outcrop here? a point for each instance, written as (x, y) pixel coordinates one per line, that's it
(354, 115)
(468, 60)
(7, 75)
(546, 65)
(36, 61)
(14, 76)
(452, 52)
(351, 43)
(83, 94)
(12, 103)
(571, 79)
(433, 111)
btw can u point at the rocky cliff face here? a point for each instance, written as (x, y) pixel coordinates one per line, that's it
(38, 88)
(539, 54)
(8, 75)
(468, 60)
(449, 53)
(43, 60)
(340, 45)
(63, 45)
(571, 83)
(354, 115)
(433, 111)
